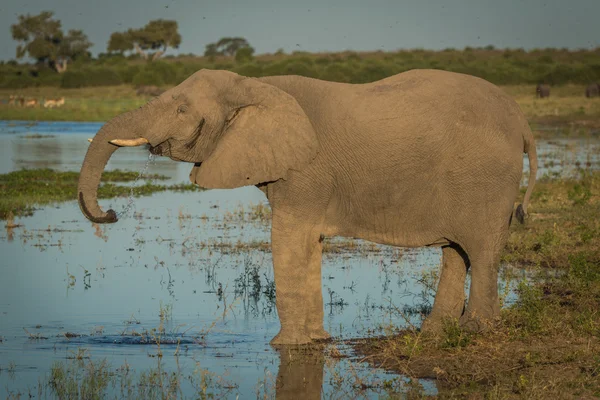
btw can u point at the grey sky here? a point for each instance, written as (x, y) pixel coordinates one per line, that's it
(320, 25)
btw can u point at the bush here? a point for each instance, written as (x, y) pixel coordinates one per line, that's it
(90, 77)
(126, 73)
(251, 70)
(18, 81)
(166, 72)
(244, 55)
(146, 77)
(375, 71)
(50, 79)
(337, 73)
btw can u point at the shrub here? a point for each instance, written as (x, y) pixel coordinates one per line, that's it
(90, 77)
(166, 72)
(127, 73)
(18, 81)
(244, 55)
(252, 70)
(374, 71)
(337, 73)
(146, 77)
(73, 79)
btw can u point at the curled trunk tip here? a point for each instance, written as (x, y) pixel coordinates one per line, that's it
(109, 217)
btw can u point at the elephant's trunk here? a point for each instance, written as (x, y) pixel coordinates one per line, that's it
(98, 154)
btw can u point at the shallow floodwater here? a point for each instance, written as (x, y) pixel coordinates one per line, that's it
(187, 276)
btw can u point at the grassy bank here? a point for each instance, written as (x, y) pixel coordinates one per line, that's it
(548, 343)
(85, 104)
(566, 106)
(23, 190)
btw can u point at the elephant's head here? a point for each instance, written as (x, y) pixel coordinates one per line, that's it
(236, 131)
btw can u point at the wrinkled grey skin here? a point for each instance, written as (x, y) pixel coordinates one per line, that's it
(542, 90)
(423, 158)
(592, 90)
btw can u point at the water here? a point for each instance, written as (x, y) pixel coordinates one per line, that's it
(191, 264)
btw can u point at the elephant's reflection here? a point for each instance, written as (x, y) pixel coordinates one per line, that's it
(300, 374)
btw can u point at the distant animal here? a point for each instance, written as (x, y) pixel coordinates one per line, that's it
(31, 103)
(51, 103)
(592, 90)
(542, 90)
(14, 100)
(149, 91)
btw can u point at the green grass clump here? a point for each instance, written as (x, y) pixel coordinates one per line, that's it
(24, 189)
(563, 220)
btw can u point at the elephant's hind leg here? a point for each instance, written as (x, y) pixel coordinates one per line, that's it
(483, 307)
(450, 297)
(297, 252)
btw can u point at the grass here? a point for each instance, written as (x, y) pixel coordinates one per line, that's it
(548, 343)
(566, 104)
(23, 190)
(563, 221)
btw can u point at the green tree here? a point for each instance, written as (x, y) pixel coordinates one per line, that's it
(42, 38)
(120, 42)
(228, 46)
(156, 35)
(211, 50)
(244, 55)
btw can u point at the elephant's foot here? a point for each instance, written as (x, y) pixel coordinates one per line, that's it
(291, 337)
(433, 324)
(478, 323)
(319, 334)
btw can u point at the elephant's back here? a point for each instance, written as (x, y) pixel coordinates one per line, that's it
(442, 106)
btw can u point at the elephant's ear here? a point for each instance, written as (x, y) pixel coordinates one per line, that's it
(268, 135)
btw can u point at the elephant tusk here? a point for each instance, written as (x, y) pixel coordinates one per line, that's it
(90, 140)
(129, 142)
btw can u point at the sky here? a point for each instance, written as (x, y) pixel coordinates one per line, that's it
(329, 26)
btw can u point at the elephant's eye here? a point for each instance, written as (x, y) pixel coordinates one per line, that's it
(181, 109)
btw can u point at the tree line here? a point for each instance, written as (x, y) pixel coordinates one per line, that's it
(136, 56)
(41, 37)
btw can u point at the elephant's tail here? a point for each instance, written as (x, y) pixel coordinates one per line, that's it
(529, 148)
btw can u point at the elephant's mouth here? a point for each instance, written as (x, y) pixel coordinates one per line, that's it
(161, 149)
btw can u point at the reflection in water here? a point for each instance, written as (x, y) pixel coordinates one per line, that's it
(41, 153)
(300, 374)
(99, 231)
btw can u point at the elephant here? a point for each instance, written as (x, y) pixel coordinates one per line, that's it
(592, 90)
(542, 90)
(421, 158)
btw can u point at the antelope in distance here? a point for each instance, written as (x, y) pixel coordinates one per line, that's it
(15, 100)
(31, 103)
(51, 103)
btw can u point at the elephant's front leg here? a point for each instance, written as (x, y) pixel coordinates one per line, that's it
(297, 252)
